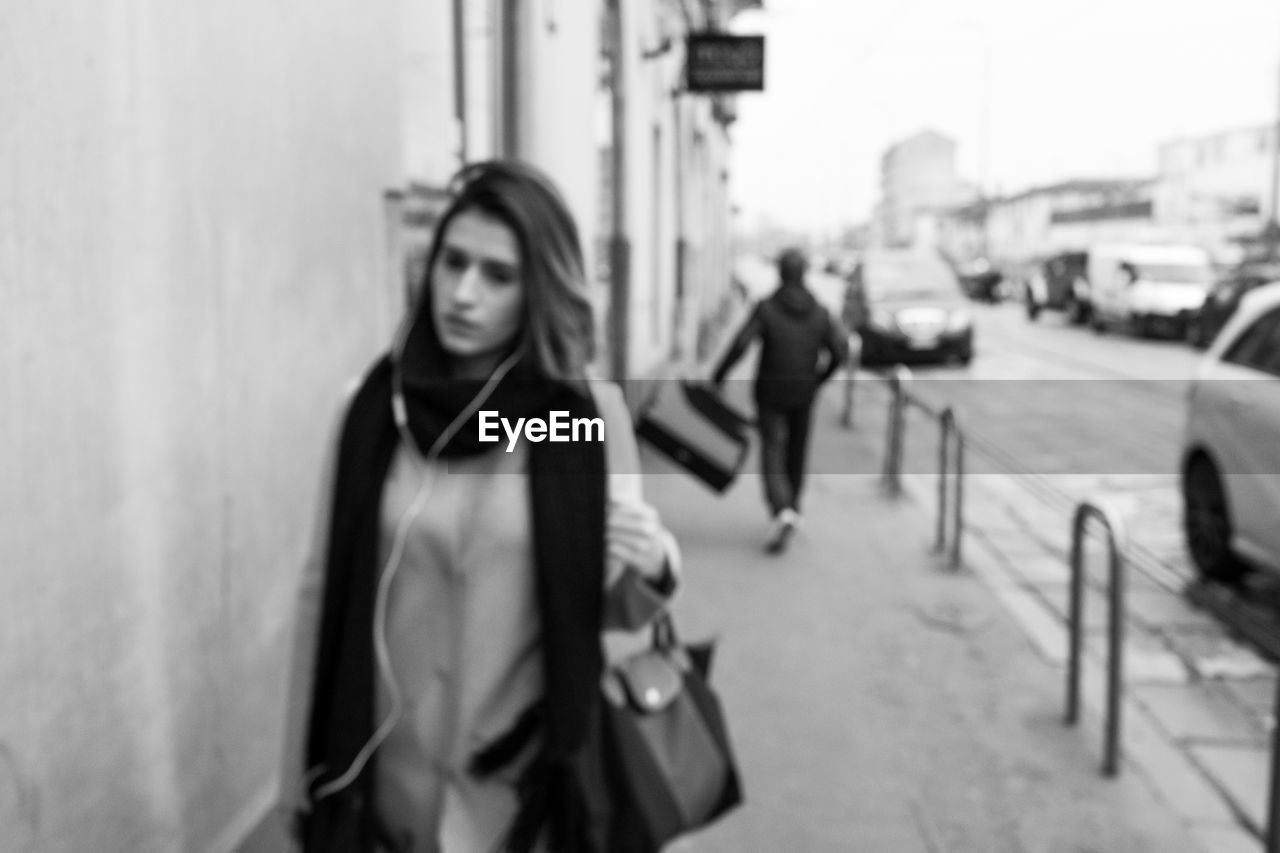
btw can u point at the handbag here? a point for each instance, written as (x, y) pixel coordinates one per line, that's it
(694, 426)
(667, 758)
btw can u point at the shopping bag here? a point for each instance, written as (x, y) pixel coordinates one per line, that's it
(698, 430)
(668, 759)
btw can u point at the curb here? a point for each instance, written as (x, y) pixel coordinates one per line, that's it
(1216, 816)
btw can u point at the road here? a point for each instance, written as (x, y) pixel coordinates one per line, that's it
(1066, 411)
(1081, 415)
(1064, 400)
(1057, 411)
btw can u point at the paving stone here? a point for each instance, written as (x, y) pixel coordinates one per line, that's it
(1096, 612)
(1225, 839)
(1242, 773)
(1165, 537)
(1257, 696)
(1044, 569)
(989, 513)
(1010, 541)
(1197, 711)
(1045, 632)
(1146, 659)
(1215, 655)
(1162, 610)
(1163, 764)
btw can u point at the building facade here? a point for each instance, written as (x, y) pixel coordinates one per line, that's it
(1217, 190)
(193, 260)
(1053, 218)
(917, 180)
(1039, 220)
(1214, 191)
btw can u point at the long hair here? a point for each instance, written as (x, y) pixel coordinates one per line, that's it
(558, 331)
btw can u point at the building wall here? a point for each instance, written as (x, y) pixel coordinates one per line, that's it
(1203, 177)
(918, 176)
(1076, 235)
(675, 189)
(1216, 190)
(558, 111)
(193, 259)
(432, 136)
(1022, 227)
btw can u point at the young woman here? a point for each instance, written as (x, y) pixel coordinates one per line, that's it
(449, 630)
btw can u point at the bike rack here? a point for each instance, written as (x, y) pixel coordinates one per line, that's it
(1117, 544)
(851, 369)
(899, 383)
(951, 435)
(1272, 839)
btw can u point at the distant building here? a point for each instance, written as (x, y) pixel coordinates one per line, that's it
(962, 230)
(1212, 191)
(917, 179)
(1098, 211)
(1055, 217)
(1216, 189)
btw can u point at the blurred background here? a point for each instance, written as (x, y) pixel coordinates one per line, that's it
(213, 215)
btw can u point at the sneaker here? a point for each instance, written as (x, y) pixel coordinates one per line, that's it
(784, 524)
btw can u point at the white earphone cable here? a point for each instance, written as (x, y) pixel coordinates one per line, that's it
(381, 650)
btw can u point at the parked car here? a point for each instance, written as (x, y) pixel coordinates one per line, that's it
(1231, 453)
(1151, 289)
(1060, 283)
(908, 306)
(981, 281)
(1224, 297)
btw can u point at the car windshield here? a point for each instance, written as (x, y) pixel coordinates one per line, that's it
(909, 278)
(1178, 273)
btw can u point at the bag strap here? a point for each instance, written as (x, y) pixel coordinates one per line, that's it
(712, 407)
(663, 633)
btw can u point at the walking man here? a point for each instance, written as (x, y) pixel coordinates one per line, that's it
(801, 346)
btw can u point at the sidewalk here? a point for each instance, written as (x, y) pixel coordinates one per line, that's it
(882, 703)
(1198, 703)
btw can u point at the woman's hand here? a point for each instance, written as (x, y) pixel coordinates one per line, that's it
(634, 537)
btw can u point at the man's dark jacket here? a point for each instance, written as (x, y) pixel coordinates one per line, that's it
(794, 332)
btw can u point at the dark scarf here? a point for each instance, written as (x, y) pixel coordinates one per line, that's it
(568, 496)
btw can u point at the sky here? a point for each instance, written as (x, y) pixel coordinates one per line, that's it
(1047, 91)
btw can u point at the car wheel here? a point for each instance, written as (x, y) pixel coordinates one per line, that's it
(1206, 521)
(1196, 335)
(1076, 314)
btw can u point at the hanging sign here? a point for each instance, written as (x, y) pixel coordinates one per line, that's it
(717, 62)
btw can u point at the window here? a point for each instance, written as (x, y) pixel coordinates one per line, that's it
(1184, 274)
(1259, 346)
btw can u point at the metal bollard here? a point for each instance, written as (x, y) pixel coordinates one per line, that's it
(958, 521)
(851, 374)
(945, 424)
(899, 380)
(1117, 545)
(1273, 798)
(950, 436)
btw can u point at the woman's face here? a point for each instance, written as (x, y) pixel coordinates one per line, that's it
(477, 291)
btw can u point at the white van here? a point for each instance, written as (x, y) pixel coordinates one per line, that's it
(1149, 288)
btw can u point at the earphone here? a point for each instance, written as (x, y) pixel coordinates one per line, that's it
(382, 653)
